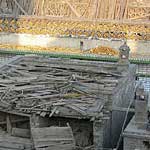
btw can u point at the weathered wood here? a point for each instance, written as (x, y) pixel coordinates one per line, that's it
(25, 133)
(9, 125)
(25, 13)
(14, 121)
(10, 142)
(14, 112)
(53, 136)
(39, 85)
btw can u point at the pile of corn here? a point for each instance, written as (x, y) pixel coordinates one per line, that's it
(97, 51)
(76, 28)
(104, 51)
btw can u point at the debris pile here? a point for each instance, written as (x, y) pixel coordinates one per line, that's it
(42, 99)
(42, 86)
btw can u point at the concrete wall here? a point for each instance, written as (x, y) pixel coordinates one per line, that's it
(124, 95)
(135, 144)
(138, 47)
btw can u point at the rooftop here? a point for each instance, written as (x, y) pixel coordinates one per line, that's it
(54, 86)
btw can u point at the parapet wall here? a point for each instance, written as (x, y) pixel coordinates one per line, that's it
(138, 48)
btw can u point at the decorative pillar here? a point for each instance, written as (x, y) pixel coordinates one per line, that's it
(123, 62)
(141, 104)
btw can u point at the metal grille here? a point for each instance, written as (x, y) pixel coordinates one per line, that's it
(146, 82)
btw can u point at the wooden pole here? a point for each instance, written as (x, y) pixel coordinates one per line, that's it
(9, 126)
(20, 7)
(73, 9)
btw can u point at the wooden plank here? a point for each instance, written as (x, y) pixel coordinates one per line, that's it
(14, 112)
(51, 131)
(11, 146)
(10, 142)
(123, 109)
(53, 136)
(18, 140)
(14, 121)
(11, 61)
(25, 133)
(123, 8)
(59, 147)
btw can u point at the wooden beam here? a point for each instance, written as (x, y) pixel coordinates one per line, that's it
(20, 7)
(14, 121)
(15, 113)
(126, 10)
(72, 8)
(9, 127)
(24, 133)
(93, 9)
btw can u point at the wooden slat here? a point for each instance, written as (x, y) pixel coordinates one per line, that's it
(25, 133)
(55, 137)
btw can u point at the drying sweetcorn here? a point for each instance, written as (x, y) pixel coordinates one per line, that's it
(76, 28)
(97, 51)
(103, 50)
(40, 49)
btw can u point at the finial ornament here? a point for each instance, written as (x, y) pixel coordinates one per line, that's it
(124, 53)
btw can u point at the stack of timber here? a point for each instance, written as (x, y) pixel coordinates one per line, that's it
(56, 86)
